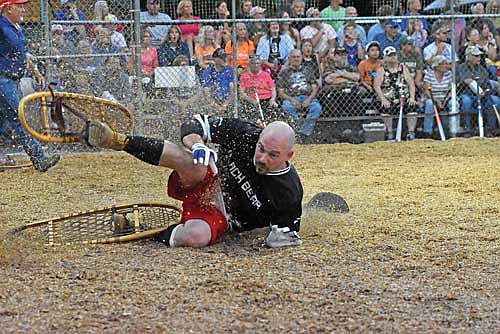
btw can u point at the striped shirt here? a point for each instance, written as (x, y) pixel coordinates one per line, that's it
(439, 88)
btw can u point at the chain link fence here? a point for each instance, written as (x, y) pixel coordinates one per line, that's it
(165, 76)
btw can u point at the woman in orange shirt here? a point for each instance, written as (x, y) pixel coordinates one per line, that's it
(206, 45)
(244, 47)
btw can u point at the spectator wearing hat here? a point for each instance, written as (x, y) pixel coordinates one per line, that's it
(340, 79)
(322, 35)
(217, 81)
(70, 12)
(334, 10)
(59, 43)
(392, 83)
(437, 91)
(473, 83)
(273, 48)
(298, 89)
(390, 36)
(189, 30)
(359, 30)
(368, 67)
(257, 29)
(377, 28)
(257, 87)
(244, 47)
(352, 44)
(411, 59)
(151, 15)
(440, 46)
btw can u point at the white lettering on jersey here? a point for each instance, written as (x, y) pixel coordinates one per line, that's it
(245, 186)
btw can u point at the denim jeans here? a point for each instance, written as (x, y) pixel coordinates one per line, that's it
(9, 101)
(453, 121)
(487, 102)
(313, 112)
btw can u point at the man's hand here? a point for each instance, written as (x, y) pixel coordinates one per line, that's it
(203, 154)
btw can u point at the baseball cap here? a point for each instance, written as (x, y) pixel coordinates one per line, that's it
(63, 2)
(389, 51)
(4, 3)
(340, 50)
(56, 27)
(219, 53)
(373, 43)
(153, 1)
(442, 29)
(391, 23)
(111, 18)
(257, 10)
(254, 59)
(406, 40)
(473, 50)
(438, 60)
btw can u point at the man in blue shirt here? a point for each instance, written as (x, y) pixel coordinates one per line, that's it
(217, 81)
(70, 12)
(390, 37)
(13, 64)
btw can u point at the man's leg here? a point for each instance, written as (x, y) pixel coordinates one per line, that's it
(313, 112)
(429, 118)
(466, 101)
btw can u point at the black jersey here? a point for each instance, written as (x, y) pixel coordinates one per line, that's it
(254, 200)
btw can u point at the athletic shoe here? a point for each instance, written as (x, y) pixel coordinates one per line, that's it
(282, 237)
(47, 162)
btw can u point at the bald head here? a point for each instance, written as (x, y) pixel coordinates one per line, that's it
(274, 148)
(281, 131)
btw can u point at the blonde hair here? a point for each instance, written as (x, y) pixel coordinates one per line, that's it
(201, 35)
(98, 6)
(183, 4)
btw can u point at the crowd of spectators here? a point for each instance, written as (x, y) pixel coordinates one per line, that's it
(297, 70)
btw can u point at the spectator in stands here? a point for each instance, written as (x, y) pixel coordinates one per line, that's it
(70, 12)
(472, 39)
(412, 60)
(377, 28)
(368, 67)
(440, 46)
(390, 37)
(102, 44)
(273, 49)
(244, 47)
(172, 47)
(257, 29)
(298, 11)
(493, 7)
(63, 46)
(477, 10)
(487, 39)
(352, 44)
(414, 7)
(321, 34)
(205, 46)
(359, 29)
(437, 91)
(246, 7)
(474, 82)
(392, 83)
(189, 31)
(117, 38)
(113, 81)
(298, 89)
(158, 32)
(217, 81)
(340, 79)
(79, 78)
(149, 56)
(334, 10)
(257, 90)
(101, 10)
(223, 30)
(311, 61)
(417, 32)
(287, 29)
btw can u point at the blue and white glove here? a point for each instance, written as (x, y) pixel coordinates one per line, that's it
(203, 154)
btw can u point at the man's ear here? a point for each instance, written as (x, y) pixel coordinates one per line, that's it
(290, 154)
